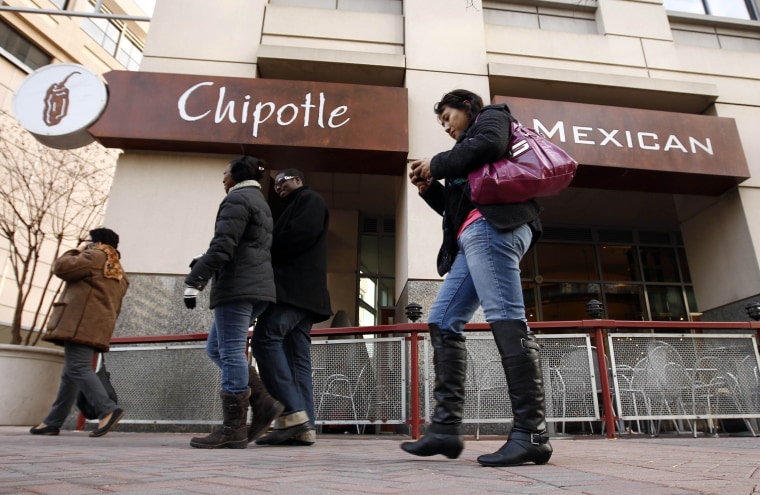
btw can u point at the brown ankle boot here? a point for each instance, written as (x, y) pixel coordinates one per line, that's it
(264, 408)
(286, 428)
(232, 433)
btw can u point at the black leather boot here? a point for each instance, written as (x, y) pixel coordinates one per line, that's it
(264, 408)
(450, 361)
(527, 441)
(233, 434)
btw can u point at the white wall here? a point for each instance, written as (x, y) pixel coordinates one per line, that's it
(163, 206)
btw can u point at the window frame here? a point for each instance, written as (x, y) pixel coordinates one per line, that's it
(22, 63)
(752, 10)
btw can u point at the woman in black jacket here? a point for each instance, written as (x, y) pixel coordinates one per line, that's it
(481, 252)
(239, 261)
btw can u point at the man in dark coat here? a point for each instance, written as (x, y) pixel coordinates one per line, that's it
(281, 340)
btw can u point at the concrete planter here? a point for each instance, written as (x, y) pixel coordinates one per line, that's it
(29, 378)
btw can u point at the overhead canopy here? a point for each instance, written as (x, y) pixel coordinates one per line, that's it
(640, 150)
(315, 126)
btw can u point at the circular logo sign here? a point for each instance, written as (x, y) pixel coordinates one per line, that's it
(58, 102)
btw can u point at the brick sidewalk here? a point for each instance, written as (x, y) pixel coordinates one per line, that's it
(164, 463)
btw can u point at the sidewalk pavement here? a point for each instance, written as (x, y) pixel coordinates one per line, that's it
(164, 463)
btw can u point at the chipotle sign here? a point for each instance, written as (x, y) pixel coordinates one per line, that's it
(315, 126)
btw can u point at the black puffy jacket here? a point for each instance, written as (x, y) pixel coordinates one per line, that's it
(484, 141)
(238, 258)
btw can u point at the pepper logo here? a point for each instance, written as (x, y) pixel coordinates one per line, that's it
(57, 103)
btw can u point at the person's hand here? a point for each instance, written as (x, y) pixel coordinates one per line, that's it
(422, 184)
(420, 168)
(191, 293)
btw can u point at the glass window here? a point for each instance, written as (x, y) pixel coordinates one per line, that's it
(690, 6)
(387, 255)
(385, 293)
(368, 291)
(738, 9)
(377, 265)
(638, 275)
(115, 39)
(667, 303)
(691, 299)
(383, 6)
(529, 296)
(366, 317)
(659, 264)
(526, 266)
(730, 8)
(567, 300)
(685, 273)
(21, 49)
(619, 263)
(368, 254)
(625, 302)
(566, 261)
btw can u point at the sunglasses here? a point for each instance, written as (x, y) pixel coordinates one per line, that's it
(283, 180)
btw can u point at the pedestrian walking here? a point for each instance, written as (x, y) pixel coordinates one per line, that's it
(281, 341)
(82, 321)
(238, 260)
(481, 252)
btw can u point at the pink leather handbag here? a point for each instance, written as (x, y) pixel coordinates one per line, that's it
(533, 167)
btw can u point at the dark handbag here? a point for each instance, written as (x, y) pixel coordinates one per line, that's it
(533, 167)
(84, 406)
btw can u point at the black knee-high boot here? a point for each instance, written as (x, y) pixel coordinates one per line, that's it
(444, 435)
(528, 441)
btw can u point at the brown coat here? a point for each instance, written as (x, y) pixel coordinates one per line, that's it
(90, 303)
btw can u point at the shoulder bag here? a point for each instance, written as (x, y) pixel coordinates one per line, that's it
(533, 167)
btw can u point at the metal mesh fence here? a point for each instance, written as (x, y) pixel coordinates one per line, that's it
(365, 381)
(685, 376)
(359, 381)
(158, 384)
(569, 372)
(356, 381)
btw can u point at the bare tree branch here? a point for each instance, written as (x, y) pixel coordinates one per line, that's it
(49, 200)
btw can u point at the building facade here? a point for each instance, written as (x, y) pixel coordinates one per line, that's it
(101, 36)
(657, 99)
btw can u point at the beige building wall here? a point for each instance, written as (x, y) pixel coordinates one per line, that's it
(611, 52)
(63, 38)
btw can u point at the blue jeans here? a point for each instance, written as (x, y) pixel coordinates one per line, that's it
(486, 272)
(281, 344)
(227, 341)
(78, 374)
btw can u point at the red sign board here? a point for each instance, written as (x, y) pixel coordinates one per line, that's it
(310, 125)
(645, 150)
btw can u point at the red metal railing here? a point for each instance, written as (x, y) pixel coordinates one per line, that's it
(596, 329)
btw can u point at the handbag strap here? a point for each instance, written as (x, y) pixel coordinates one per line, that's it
(512, 121)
